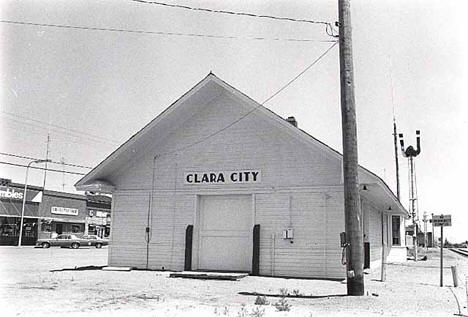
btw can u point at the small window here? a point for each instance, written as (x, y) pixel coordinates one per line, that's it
(46, 227)
(76, 228)
(396, 230)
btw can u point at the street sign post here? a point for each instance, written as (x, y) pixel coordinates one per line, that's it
(441, 221)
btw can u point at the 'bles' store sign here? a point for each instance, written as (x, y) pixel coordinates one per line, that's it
(10, 193)
(222, 177)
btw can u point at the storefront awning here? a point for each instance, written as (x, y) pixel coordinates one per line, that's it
(12, 208)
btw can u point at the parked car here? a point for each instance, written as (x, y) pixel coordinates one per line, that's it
(95, 241)
(72, 241)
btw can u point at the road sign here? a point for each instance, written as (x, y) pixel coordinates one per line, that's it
(442, 220)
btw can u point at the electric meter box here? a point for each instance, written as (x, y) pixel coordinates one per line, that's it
(288, 233)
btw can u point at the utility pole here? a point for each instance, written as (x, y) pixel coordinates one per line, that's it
(425, 229)
(433, 233)
(352, 205)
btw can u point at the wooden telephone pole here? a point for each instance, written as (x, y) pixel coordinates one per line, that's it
(353, 225)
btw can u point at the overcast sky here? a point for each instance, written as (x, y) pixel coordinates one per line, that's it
(103, 86)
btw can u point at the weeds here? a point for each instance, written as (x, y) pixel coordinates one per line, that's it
(261, 300)
(296, 292)
(282, 304)
(243, 312)
(257, 312)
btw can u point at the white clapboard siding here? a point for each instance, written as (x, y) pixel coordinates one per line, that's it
(129, 220)
(315, 251)
(171, 214)
(300, 188)
(372, 219)
(252, 143)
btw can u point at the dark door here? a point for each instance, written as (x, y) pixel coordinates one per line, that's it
(59, 228)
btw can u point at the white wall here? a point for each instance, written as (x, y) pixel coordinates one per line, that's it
(300, 188)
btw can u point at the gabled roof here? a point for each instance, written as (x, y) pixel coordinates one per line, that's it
(211, 87)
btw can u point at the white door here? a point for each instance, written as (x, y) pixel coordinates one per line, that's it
(225, 236)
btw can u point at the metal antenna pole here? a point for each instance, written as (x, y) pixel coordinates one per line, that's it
(47, 157)
(396, 158)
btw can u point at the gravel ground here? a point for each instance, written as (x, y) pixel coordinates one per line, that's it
(29, 288)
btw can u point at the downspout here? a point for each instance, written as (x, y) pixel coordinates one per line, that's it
(383, 273)
(149, 216)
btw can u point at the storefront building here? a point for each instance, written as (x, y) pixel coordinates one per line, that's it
(11, 203)
(218, 182)
(61, 213)
(98, 219)
(50, 213)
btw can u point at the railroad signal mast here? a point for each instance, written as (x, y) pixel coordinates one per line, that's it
(410, 152)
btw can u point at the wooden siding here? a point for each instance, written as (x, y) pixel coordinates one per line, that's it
(129, 220)
(317, 220)
(372, 228)
(300, 189)
(252, 143)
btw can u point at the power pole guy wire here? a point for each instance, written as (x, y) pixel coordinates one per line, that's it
(255, 108)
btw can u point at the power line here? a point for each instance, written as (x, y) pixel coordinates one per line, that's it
(80, 133)
(80, 138)
(199, 35)
(255, 108)
(41, 168)
(231, 12)
(35, 158)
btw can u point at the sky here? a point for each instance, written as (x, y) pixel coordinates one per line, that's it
(90, 90)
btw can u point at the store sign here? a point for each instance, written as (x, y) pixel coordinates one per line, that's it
(11, 193)
(64, 211)
(97, 213)
(222, 177)
(442, 220)
(96, 221)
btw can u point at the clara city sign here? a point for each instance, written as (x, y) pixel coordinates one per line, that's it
(222, 177)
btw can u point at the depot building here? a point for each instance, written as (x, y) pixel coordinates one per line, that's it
(218, 182)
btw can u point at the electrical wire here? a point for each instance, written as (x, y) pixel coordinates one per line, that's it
(35, 158)
(255, 108)
(41, 168)
(231, 12)
(51, 125)
(199, 35)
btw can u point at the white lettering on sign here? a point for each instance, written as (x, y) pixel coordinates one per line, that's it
(222, 177)
(64, 211)
(10, 193)
(97, 213)
(442, 220)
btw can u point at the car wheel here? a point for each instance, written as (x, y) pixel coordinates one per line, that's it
(98, 245)
(75, 245)
(45, 245)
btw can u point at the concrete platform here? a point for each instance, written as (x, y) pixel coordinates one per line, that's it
(115, 268)
(210, 275)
